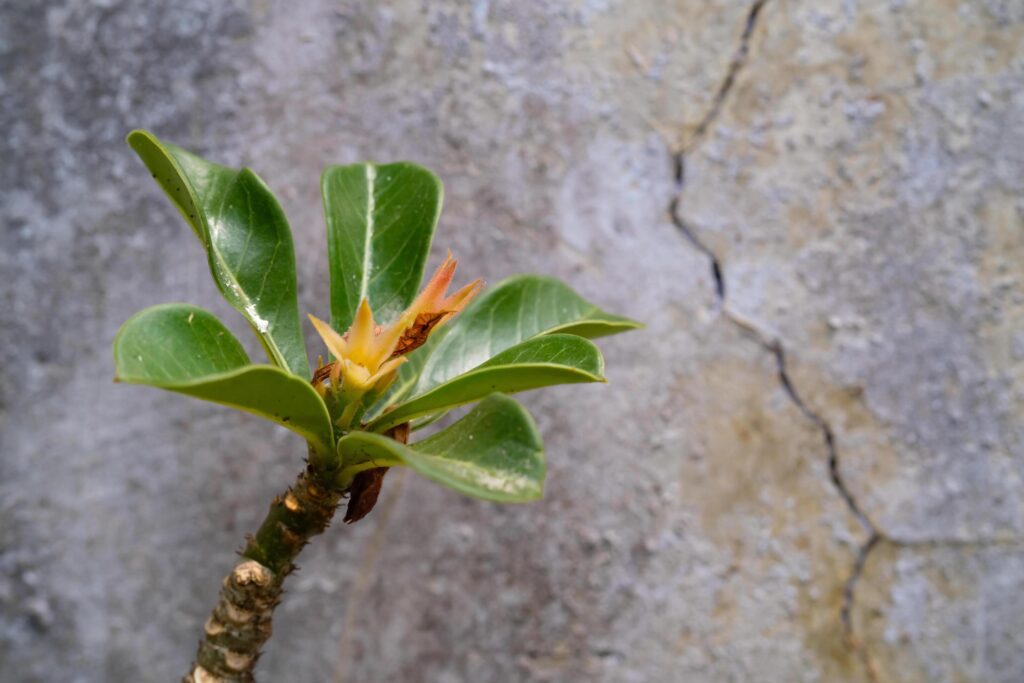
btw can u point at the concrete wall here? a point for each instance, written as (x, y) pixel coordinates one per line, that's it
(844, 402)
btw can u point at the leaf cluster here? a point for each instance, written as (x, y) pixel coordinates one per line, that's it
(523, 333)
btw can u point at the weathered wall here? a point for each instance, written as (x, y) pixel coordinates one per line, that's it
(807, 470)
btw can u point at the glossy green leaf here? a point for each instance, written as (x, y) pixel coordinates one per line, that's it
(247, 240)
(538, 362)
(380, 222)
(186, 349)
(494, 453)
(511, 312)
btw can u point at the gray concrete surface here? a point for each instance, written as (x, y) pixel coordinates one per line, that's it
(815, 477)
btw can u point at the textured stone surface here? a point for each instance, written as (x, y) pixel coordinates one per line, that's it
(859, 182)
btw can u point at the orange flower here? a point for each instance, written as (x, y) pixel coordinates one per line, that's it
(432, 308)
(368, 356)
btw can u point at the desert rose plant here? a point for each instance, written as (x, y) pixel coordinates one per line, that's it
(399, 359)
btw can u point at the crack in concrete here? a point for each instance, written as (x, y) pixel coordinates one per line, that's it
(1004, 542)
(849, 598)
(774, 346)
(679, 162)
(876, 537)
(739, 59)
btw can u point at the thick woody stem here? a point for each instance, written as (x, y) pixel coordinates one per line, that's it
(241, 622)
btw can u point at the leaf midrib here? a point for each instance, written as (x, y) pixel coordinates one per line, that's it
(371, 206)
(236, 287)
(221, 266)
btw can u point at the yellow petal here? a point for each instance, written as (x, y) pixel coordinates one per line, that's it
(387, 373)
(360, 335)
(392, 364)
(355, 376)
(335, 342)
(386, 341)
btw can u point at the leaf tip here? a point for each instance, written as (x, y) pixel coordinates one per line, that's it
(137, 135)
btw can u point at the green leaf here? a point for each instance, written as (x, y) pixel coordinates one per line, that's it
(380, 222)
(538, 362)
(247, 240)
(494, 453)
(186, 349)
(514, 310)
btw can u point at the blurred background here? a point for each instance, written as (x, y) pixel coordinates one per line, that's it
(808, 467)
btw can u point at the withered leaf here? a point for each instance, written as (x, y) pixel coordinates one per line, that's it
(366, 485)
(416, 334)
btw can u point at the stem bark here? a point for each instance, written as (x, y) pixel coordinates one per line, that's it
(240, 624)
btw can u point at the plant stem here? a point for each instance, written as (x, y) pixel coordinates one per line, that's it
(241, 622)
